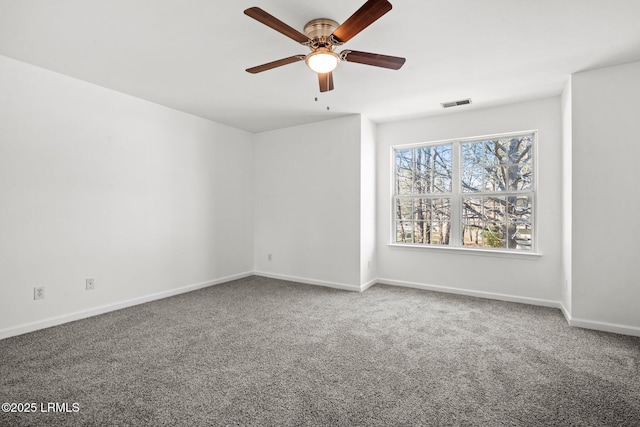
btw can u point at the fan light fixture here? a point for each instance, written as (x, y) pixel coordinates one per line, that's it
(322, 60)
(322, 35)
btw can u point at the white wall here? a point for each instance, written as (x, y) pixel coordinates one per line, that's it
(519, 278)
(94, 183)
(368, 257)
(307, 203)
(151, 202)
(567, 142)
(605, 205)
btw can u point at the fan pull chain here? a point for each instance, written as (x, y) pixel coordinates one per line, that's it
(316, 100)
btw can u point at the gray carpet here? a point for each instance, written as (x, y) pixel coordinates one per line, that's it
(260, 351)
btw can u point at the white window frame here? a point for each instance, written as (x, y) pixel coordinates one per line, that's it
(456, 195)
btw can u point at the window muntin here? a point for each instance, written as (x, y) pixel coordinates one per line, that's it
(475, 193)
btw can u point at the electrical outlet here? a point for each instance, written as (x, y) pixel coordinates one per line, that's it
(91, 284)
(38, 292)
(269, 257)
(369, 265)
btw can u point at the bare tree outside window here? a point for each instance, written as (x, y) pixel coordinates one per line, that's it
(501, 171)
(489, 192)
(423, 176)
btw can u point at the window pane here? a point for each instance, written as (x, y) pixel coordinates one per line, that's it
(495, 232)
(520, 163)
(495, 209)
(442, 169)
(494, 152)
(422, 165)
(421, 232)
(404, 172)
(404, 232)
(521, 177)
(520, 233)
(422, 209)
(472, 235)
(493, 236)
(472, 167)
(403, 208)
(441, 209)
(440, 233)
(494, 178)
(518, 148)
(472, 221)
(495, 159)
(441, 221)
(432, 169)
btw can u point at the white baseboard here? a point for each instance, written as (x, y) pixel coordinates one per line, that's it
(58, 320)
(565, 313)
(83, 314)
(606, 327)
(467, 292)
(367, 285)
(580, 323)
(616, 328)
(327, 284)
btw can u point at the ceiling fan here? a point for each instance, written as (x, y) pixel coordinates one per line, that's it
(322, 36)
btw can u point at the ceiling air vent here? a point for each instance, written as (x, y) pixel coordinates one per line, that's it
(456, 103)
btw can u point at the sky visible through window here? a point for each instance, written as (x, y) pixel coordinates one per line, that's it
(485, 186)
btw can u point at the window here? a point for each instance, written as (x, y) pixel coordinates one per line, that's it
(474, 193)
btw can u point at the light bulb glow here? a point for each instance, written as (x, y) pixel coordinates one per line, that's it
(322, 61)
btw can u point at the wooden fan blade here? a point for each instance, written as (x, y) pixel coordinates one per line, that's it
(275, 64)
(273, 22)
(326, 81)
(375, 59)
(370, 12)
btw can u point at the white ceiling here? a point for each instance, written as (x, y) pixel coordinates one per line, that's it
(191, 54)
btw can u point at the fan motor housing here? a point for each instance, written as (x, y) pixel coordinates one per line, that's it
(320, 28)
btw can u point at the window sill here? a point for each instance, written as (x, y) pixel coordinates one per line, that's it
(469, 251)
